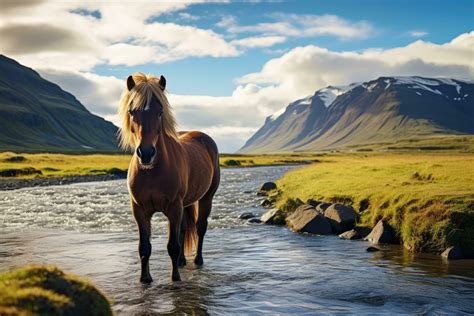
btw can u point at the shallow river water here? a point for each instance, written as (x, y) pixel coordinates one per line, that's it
(88, 229)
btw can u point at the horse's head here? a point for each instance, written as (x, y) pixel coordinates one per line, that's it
(146, 116)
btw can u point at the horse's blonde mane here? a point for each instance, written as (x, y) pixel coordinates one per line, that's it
(145, 87)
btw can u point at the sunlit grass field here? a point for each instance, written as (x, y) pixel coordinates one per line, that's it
(13, 165)
(427, 197)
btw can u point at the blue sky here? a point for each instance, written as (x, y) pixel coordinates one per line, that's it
(230, 64)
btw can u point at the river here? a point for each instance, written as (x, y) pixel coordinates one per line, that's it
(87, 229)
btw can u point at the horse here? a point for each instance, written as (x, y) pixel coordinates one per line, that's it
(176, 173)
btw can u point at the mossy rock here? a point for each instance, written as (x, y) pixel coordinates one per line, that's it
(46, 290)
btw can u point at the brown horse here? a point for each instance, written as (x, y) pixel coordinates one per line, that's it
(173, 173)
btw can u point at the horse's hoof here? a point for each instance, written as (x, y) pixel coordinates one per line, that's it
(175, 277)
(198, 261)
(146, 280)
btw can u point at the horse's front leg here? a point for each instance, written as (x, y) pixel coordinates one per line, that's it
(144, 247)
(174, 215)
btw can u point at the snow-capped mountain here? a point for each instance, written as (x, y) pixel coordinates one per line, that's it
(383, 110)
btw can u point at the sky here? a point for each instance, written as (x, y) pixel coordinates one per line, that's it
(229, 65)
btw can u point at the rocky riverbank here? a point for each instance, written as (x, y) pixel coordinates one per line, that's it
(13, 184)
(321, 218)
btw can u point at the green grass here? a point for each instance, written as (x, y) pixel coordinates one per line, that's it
(27, 165)
(46, 290)
(427, 197)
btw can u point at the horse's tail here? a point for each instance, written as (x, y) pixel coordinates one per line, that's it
(190, 235)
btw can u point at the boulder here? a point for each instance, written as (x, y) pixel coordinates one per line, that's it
(321, 207)
(452, 253)
(372, 249)
(382, 233)
(273, 216)
(254, 220)
(306, 219)
(341, 217)
(246, 215)
(268, 186)
(350, 235)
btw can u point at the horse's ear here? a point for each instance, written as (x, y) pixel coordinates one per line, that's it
(162, 82)
(130, 83)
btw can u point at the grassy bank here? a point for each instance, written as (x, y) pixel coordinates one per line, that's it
(427, 197)
(25, 166)
(46, 290)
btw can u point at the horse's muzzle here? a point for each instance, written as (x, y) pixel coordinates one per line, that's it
(146, 154)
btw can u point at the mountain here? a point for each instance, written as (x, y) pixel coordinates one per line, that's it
(383, 110)
(37, 115)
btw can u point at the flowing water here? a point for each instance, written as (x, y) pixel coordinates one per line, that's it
(87, 229)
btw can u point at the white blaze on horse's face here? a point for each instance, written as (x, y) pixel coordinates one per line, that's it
(146, 126)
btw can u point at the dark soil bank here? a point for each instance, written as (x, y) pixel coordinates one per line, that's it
(13, 184)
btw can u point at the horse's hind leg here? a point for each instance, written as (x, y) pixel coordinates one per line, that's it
(205, 206)
(182, 234)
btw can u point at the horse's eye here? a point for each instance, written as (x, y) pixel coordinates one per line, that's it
(161, 114)
(131, 112)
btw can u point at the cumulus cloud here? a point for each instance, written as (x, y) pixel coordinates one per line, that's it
(36, 38)
(302, 25)
(101, 94)
(259, 41)
(417, 33)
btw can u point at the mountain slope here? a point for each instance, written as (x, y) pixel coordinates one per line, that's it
(37, 115)
(383, 110)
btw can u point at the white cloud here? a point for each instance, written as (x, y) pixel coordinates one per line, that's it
(62, 36)
(302, 25)
(417, 33)
(259, 41)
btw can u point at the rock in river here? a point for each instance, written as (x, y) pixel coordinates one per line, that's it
(273, 216)
(452, 253)
(246, 215)
(254, 220)
(382, 233)
(350, 235)
(321, 207)
(306, 219)
(268, 186)
(341, 217)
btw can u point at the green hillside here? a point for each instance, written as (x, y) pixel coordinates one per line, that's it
(37, 116)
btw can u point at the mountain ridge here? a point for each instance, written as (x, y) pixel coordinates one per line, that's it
(379, 110)
(37, 115)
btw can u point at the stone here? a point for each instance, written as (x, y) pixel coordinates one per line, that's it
(268, 186)
(306, 219)
(372, 249)
(341, 217)
(272, 215)
(452, 253)
(350, 235)
(254, 220)
(321, 207)
(246, 215)
(382, 233)
(266, 203)
(313, 203)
